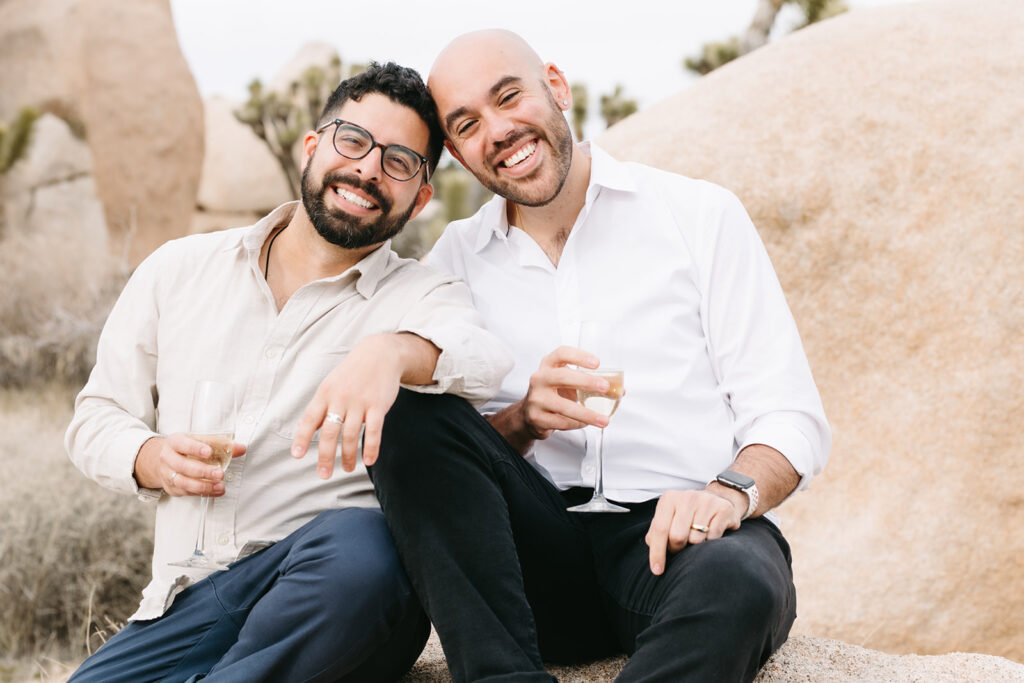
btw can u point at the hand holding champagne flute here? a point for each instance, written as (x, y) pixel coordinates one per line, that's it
(600, 339)
(212, 423)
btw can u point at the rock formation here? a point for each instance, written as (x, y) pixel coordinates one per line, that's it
(239, 172)
(116, 69)
(799, 659)
(881, 155)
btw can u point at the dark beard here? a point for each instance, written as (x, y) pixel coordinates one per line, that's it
(561, 144)
(340, 229)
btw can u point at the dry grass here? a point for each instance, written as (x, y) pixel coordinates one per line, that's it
(73, 557)
(54, 297)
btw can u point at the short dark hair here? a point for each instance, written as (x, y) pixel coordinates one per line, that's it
(401, 85)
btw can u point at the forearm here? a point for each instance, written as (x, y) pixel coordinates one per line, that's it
(416, 357)
(771, 471)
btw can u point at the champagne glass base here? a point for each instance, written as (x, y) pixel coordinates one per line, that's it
(598, 504)
(199, 561)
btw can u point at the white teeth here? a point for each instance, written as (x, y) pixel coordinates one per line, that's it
(520, 155)
(354, 198)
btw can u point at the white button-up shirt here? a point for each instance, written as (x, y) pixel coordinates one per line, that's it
(713, 361)
(200, 308)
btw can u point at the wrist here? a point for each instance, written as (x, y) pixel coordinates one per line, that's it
(742, 484)
(146, 469)
(737, 499)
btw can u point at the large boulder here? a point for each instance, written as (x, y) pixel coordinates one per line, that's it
(881, 155)
(239, 172)
(799, 659)
(51, 192)
(116, 69)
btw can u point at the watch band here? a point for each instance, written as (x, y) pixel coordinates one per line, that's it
(743, 483)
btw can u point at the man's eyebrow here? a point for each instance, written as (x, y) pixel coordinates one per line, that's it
(454, 115)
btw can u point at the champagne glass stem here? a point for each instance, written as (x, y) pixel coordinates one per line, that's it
(204, 503)
(599, 483)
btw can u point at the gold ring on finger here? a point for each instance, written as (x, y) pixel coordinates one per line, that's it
(703, 528)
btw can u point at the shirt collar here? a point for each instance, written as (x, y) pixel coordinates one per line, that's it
(368, 272)
(605, 172)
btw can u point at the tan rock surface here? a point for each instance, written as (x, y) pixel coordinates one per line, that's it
(118, 67)
(50, 193)
(799, 659)
(239, 172)
(881, 155)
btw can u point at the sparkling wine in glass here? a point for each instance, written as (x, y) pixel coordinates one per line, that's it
(601, 340)
(213, 423)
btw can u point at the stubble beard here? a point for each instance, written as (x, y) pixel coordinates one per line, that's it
(558, 137)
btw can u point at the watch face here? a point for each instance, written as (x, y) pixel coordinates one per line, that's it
(735, 480)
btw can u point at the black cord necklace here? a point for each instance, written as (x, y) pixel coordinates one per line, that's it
(266, 262)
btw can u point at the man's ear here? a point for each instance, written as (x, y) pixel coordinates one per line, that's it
(423, 196)
(451, 150)
(308, 148)
(559, 86)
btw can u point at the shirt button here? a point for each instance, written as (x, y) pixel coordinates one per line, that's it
(589, 469)
(271, 352)
(222, 539)
(249, 419)
(229, 477)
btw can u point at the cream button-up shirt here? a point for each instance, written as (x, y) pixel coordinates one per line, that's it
(712, 358)
(199, 308)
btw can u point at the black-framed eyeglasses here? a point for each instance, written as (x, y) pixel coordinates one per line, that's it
(355, 142)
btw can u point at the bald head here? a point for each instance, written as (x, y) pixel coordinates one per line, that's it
(506, 46)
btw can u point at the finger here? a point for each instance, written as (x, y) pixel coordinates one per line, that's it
(696, 532)
(657, 537)
(569, 355)
(238, 449)
(557, 405)
(328, 450)
(189, 486)
(682, 532)
(371, 437)
(187, 446)
(568, 378)
(310, 421)
(350, 440)
(721, 520)
(187, 465)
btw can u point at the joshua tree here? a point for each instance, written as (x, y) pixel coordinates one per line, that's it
(580, 106)
(14, 137)
(714, 55)
(280, 119)
(616, 106)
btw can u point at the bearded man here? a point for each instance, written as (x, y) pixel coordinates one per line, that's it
(314, 590)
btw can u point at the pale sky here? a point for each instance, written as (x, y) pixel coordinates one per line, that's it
(638, 43)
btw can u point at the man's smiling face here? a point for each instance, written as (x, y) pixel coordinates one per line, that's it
(352, 203)
(497, 106)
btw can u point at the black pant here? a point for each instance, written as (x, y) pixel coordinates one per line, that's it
(509, 577)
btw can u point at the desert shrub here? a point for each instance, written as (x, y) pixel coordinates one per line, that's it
(73, 557)
(54, 297)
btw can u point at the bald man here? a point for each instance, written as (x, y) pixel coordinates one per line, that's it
(720, 423)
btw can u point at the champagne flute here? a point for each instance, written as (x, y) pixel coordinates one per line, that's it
(213, 423)
(601, 339)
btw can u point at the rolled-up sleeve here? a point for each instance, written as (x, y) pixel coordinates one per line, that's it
(473, 362)
(755, 347)
(115, 413)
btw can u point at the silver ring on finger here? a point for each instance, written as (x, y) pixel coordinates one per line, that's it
(333, 418)
(703, 528)
(173, 477)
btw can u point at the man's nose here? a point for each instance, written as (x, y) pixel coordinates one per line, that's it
(498, 128)
(369, 167)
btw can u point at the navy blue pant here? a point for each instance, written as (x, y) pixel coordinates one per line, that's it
(511, 579)
(328, 603)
